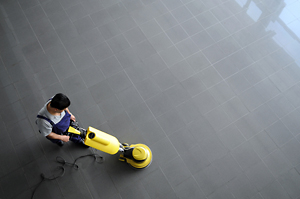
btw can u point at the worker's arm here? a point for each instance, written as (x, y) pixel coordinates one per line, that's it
(72, 116)
(55, 136)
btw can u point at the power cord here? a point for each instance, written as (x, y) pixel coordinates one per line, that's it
(62, 161)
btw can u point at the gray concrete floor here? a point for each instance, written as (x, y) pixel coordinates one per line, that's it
(211, 86)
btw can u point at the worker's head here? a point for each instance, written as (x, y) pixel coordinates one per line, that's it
(60, 102)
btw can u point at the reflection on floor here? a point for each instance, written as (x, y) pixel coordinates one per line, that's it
(212, 86)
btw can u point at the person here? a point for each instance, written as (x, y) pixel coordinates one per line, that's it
(54, 119)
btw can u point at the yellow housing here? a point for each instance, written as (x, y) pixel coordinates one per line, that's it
(140, 153)
(102, 141)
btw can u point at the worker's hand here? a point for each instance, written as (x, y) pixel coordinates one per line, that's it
(65, 138)
(73, 118)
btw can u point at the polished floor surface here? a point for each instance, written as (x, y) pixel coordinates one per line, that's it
(211, 86)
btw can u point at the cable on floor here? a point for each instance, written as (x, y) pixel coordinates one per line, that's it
(62, 161)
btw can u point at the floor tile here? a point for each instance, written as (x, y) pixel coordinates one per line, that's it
(119, 82)
(177, 94)
(164, 79)
(159, 104)
(198, 61)
(64, 69)
(135, 36)
(188, 111)
(118, 43)
(202, 40)
(110, 66)
(288, 121)
(206, 127)
(182, 140)
(125, 23)
(192, 26)
(187, 47)
(287, 150)
(116, 10)
(279, 133)
(151, 28)
(213, 53)
(148, 88)
(137, 73)
(154, 64)
(166, 21)
(92, 76)
(277, 163)
(274, 190)
(173, 173)
(128, 58)
(245, 155)
(12, 187)
(209, 180)
(221, 92)
(260, 175)
(109, 30)
(164, 151)
(222, 192)
(189, 189)
(218, 118)
(92, 37)
(144, 50)
(205, 102)
(101, 51)
(242, 187)
(217, 32)
(165, 190)
(151, 130)
(286, 178)
(56, 53)
(248, 99)
(101, 17)
(176, 34)
(171, 121)
(76, 12)
(231, 137)
(73, 84)
(111, 107)
(59, 19)
(140, 192)
(84, 24)
(210, 77)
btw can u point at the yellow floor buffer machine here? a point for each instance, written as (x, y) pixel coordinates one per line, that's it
(137, 155)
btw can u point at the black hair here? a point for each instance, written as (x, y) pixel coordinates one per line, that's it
(60, 101)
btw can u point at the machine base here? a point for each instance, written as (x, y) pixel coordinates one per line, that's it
(138, 164)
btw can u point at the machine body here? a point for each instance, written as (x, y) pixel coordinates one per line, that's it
(137, 155)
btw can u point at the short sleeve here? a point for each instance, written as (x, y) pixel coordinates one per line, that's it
(44, 126)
